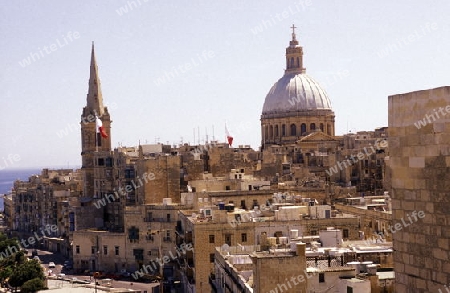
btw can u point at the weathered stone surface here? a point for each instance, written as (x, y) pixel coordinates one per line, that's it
(419, 134)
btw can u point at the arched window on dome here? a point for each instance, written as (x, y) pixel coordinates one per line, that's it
(321, 127)
(293, 130)
(266, 132)
(328, 129)
(298, 62)
(283, 130)
(271, 132)
(276, 131)
(303, 129)
(292, 62)
(312, 126)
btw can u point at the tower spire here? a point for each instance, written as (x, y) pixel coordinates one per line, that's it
(94, 96)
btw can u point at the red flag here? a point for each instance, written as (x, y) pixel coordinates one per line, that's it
(99, 127)
(229, 137)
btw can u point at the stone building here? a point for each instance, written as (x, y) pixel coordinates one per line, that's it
(419, 140)
(149, 235)
(165, 176)
(302, 267)
(212, 226)
(43, 201)
(375, 213)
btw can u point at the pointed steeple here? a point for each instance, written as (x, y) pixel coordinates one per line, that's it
(94, 96)
(294, 55)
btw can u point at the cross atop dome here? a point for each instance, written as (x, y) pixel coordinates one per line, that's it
(293, 43)
(293, 27)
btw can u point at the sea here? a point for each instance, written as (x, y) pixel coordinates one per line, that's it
(8, 176)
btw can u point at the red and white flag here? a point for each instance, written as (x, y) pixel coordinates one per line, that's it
(99, 127)
(229, 137)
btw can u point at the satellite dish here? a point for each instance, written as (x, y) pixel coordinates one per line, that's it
(225, 247)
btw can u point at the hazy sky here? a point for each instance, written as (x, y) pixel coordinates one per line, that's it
(169, 67)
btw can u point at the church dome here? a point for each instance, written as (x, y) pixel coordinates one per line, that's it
(295, 92)
(296, 105)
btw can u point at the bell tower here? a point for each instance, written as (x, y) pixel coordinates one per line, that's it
(95, 145)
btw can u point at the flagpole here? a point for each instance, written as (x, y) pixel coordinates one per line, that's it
(96, 134)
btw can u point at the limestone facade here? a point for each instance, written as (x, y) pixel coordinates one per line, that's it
(419, 139)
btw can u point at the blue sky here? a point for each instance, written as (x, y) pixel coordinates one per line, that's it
(230, 53)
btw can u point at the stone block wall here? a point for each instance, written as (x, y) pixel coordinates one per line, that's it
(419, 142)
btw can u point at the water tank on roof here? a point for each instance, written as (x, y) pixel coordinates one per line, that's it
(371, 269)
(294, 234)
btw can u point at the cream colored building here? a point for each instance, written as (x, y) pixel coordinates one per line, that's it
(419, 139)
(212, 227)
(149, 235)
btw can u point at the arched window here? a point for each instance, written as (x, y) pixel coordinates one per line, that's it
(270, 131)
(292, 62)
(276, 131)
(321, 127)
(298, 62)
(293, 130)
(303, 129)
(312, 127)
(328, 129)
(266, 132)
(283, 130)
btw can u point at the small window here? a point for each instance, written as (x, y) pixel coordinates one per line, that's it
(211, 239)
(109, 162)
(105, 250)
(321, 277)
(101, 162)
(77, 249)
(227, 187)
(345, 233)
(116, 250)
(228, 239)
(303, 129)
(93, 249)
(211, 257)
(244, 237)
(293, 130)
